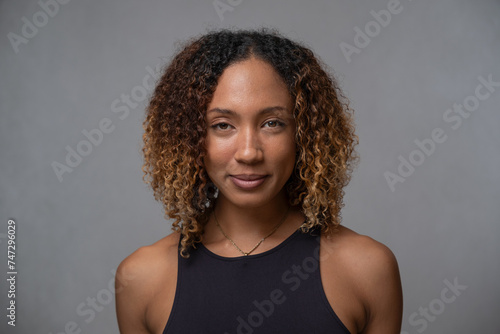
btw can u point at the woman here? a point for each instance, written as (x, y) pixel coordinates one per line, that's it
(248, 144)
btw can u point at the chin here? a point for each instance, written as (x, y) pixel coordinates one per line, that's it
(254, 200)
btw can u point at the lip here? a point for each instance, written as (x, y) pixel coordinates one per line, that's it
(248, 181)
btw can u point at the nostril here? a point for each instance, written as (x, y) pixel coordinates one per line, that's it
(249, 154)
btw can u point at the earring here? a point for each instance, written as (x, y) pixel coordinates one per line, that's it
(212, 190)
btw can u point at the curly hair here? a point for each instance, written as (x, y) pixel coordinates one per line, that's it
(175, 129)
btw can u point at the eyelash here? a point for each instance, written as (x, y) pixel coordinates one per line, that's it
(278, 124)
(216, 126)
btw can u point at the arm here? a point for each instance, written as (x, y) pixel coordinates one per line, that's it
(131, 297)
(382, 291)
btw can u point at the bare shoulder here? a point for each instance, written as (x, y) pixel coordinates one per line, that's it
(150, 258)
(140, 277)
(361, 252)
(370, 273)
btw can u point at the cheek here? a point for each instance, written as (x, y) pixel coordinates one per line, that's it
(291, 158)
(291, 153)
(216, 155)
(284, 154)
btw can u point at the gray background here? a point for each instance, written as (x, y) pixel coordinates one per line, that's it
(442, 223)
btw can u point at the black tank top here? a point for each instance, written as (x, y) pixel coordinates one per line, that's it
(277, 291)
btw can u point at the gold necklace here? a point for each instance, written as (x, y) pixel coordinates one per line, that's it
(261, 240)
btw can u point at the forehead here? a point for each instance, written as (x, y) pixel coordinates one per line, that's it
(250, 84)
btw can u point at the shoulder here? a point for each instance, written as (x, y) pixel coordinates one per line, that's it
(371, 270)
(140, 276)
(360, 252)
(143, 263)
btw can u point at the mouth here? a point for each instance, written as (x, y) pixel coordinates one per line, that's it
(248, 181)
(249, 177)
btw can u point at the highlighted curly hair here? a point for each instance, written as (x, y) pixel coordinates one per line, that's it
(175, 129)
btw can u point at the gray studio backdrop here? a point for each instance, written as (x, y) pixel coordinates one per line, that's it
(423, 78)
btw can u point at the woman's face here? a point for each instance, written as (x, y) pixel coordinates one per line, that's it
(251, 135)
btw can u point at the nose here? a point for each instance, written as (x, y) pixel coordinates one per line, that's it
(249, 150)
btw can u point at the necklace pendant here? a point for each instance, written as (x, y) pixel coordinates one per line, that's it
(245, 254)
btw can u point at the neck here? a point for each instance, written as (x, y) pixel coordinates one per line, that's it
(246, 226)
(243, 221)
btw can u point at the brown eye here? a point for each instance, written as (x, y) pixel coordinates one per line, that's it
(221, 126)
(274, 123)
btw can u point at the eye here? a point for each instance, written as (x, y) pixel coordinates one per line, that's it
(221, 126)
(274, 123)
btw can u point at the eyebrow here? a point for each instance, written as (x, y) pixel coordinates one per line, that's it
(264, 111)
